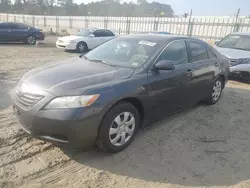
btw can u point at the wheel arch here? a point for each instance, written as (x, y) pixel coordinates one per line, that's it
(223, 78)
(132, 100)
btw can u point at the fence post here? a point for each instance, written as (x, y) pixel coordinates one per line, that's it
(191, 27)
(189, 23)
(70, 22)
(236, 24)
(15, 18)
(128, 26)
(86, 22)
(105, 23)
(33, 21)
(7, 17)
(57, 25)
(45, 21)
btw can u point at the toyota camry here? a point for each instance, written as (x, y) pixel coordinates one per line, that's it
(106, 95)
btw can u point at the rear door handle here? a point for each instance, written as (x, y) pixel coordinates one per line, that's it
(216, 64)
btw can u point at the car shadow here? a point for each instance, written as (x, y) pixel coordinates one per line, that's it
(76, 52)
(201, 146)
(6, 86)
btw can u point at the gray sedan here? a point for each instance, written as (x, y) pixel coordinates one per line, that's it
(106, 95)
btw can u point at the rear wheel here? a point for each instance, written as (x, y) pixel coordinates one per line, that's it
(216, 91)
(31, 40)
(81, 47)
(118, 127)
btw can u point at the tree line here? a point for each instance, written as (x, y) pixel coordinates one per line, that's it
(141, 8)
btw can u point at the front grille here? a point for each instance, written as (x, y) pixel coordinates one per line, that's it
(27, 100)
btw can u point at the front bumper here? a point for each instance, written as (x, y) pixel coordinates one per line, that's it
(75, 127)
(240, 68)
(40, 37)
(65, 45)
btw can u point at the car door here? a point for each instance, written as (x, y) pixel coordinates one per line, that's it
(5, 32)
(19, 31)
(168, 88)
(203, 70)
(99, 38)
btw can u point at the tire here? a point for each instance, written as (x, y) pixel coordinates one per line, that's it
(31, 40)
(216, 91)
(245, 77)
(113, 136)
(81, 47)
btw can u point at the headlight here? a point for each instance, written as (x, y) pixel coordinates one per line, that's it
(72, 101)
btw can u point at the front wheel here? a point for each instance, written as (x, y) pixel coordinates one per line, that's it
(31, 40)
(118, 128)
(81, 47)
(216, 92)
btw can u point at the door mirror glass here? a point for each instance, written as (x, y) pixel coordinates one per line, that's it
(28, 28)
(165, 65)
(91, 35)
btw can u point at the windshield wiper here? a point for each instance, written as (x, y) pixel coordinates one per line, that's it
(104, 62)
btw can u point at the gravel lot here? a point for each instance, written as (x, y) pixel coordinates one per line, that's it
(199, 147)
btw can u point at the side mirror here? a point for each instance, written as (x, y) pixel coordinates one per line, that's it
(91, 36)
(216, 42)
(28, 28)
(165, 65)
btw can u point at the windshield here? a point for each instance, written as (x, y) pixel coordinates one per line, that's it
(125, 52)
(241, 42)
(83, 33)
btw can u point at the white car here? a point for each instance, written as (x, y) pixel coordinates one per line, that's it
(85, 39)
(236, 47)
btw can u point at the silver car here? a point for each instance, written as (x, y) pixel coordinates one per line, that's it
(236, 47)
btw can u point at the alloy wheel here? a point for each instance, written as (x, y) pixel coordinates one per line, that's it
(31, 40)
(217, 90)
(81, 48)
(122, 129)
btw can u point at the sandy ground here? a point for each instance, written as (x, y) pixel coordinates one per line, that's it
(204, 146)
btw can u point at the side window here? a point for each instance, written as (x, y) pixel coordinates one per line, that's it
(5, 26)
(14, 26)
(198, 51)
(109, 33)
(22, 26)
(175, 52)
(99, 33)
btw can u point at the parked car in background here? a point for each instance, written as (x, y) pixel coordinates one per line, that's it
(85, 39)
(106, 95)
(19, 32)
(236, 47)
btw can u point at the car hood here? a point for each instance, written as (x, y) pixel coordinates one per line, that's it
(71, 37)
(233, 53)
(76, 74)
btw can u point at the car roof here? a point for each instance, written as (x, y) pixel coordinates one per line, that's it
(241, 33)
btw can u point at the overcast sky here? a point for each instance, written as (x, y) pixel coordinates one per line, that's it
(203, 7)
